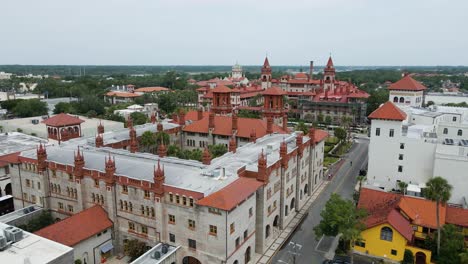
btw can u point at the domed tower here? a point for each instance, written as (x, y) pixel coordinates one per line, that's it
(266, 74)
(159, 179)
(41, 154)
(329, 76)
(236, 71)
(79, 164)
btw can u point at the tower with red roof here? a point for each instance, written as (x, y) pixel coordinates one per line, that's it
(266, 74)
(407, 91)
(329, 76)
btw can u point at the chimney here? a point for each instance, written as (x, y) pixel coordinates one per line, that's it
(182, 117)
(234, 122)
(269, 125)
(311, 70)
(206, 159)
(253, 136)
(285, 122)
(158, 178)
(312, 135)
(232, 144)
(41, 154)
(299, 141)
(133, 145)
(211, 121)
(262, 168)
(100, 128)
(129, 122)
(199, 113)
(79, 164)
(284, 154)
(153, 118)
(99, 142)
(132, 133)
(162, 150)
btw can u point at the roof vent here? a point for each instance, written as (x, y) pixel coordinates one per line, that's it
(156, 255)
(13, 234)
(3, 243)
(164, 248)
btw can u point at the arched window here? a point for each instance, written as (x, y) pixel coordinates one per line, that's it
(286, 211)
(306, 189)
(130, 205)
(445, 131)
(236, 262)
(276, 221)
(395, 99)
(460, 132)
(386, 233)
(247, 255)
(402, 100)
(267, 231)
(120, 202)
(126, 206)
(293, 203)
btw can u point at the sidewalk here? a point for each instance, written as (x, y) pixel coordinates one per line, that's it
(289, 229)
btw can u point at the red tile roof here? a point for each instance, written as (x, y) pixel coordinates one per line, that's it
(78, 227)
(223, 126)
(62, 120)
(407, 83)
(122, 94)
(320, 135)
(232, 195)
(457, 216)
(221, 89)
(266, 63)
(151, 89)
(301, 75)
(330, 62)
(11, 158)
(274, 90)
(388, 111)
(421, 211)
(401, 224)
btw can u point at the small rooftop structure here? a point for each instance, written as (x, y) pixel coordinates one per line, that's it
(159, 254)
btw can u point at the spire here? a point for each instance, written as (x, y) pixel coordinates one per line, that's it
(266, 63)
(232, 144)
(100, 128)
(160, 127)
(262, 168)
(110, 170)
(41, 154)
(158, 178)
(129, 122)
(285, 122)
(330, 62)
(269, 129)
(132, 133)
(312, 135)
(253, 136)
(181, 117)
(79, 164)
(206, 159)
(153, 118)
(234, 122)
(133, 145)
(284, 154)
(299, 141)
(211, 120)
(162, 150)
(99, 142)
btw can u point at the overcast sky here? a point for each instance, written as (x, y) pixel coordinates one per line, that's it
(220, 32)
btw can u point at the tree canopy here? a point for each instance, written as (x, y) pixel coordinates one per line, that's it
(28, 108)
(138, 118)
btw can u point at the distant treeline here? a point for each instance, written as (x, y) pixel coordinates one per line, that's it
(98, 70)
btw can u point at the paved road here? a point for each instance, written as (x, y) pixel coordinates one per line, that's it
(342, 183)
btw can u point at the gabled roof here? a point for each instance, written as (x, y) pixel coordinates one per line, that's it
(388, 111)
(62, 120)
(274, 90)
(401, 224)
(407, 83)
(233, 194)
(221, 89)
(457, 216)
(78, 227)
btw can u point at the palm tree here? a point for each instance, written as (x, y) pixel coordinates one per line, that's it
(402, 186)
(438, 190)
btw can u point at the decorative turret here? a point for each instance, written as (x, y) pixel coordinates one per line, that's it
(285, 122)
(160, 127)
(284, 154)
(262, 168)
(41, 158)
(79, 164)
(299, 141)
(174, 117)
(162, 150)
(153, 118)
(133, 145)
(234, 122)
(253, 136)
(206, 159)
(132, 133)
(199, 113)
(181, 117)
(110, 169)
(159, 180)
(100, 128)
(266, 74)
(312, 136)
(129, 122)
(329, 76)
(211, 121)
(232, 144)
(99, 142)
(269, 129)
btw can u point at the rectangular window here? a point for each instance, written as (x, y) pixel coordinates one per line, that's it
(96, 183)
(131, 226)
(392, 132)
(393, 252)
(454, 119)
(70, 177)
(184, 200)
(38, 185)
(232, 228)
(60, 205)
(400, 156)
(360, 244)
(213, 230)
(171, 198)
(147, 194)
(214, 211)
(144, 229)
(377, 131)
(33, 198)
(172, 238)
(192, 244)
(191, 202)
(177, 199)
(124, 188)
(402, 145)
(54, 173)
(191, 224)
(237, 242)
(171, 219)
(70, 208)
(400, 168)
(28, 183)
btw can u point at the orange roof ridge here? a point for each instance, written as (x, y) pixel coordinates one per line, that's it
(388, 111)
(407, 83)
(62, 119)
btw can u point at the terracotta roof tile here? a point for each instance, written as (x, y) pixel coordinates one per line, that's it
(122, 94)
(232, 195)
(457, 216)
(407, 83)
(62, 120)
(151, 89)
(388, 111)
(274, 90)
(401, 224)
(11, 158)
(221, 89)
(78, 227)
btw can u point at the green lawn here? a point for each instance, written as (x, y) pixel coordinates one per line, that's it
(332, 140)
(329, 160)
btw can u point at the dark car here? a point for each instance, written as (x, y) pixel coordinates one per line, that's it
(337, 261)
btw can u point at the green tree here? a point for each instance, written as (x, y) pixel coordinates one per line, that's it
(134, 248)
(28, 108)
(167, 102)
(301, 126)
(38, 222)
(78, 261)
(376, 98)
(340, 216)
(173, 150)
(148, 140)
(138, 118)
(196, 154)
(402, 186)
(328, 120)
(217, 150)
(438, 190)
(408, 257)
(452, 245)
(63, 107)
(162, 137)
(320, 118)
(340, 133)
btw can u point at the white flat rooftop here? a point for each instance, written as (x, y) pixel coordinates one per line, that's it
(14, 142)
(34, 249)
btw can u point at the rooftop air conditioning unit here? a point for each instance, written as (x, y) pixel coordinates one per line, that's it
(3, 243)
(13, 234)
(164, 249)
(156, 255)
